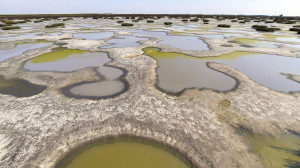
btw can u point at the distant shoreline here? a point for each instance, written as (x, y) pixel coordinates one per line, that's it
(30, 16)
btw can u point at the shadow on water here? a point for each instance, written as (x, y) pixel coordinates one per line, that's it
(19, 87)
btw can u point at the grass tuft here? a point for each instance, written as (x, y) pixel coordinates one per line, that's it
(55, 25)
(126, 24)
(168, 23)
(224, 25)
(265, 28)
(10, 27)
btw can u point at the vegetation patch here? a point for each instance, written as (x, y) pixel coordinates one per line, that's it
(120, 21)
(10, 27)
(55, 25)
(294, 29)
(150, 21)
(265, 28)
(224, 25)
(194, 20)
(9, 22)
(168, 23)
(126, 24)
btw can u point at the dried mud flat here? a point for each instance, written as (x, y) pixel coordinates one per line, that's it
(205, 125)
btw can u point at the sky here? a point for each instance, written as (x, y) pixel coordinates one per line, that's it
(248, 7)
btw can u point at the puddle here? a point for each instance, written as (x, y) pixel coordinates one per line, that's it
(70, 60)
(88, 25)
(124, 41)
(19, 87)
(230, 31)
(264, 44)
(258, 43)
(23, 36)
(94, 36)
(283, 38)
(127, 153)
(262, 68)
(181, 42)
(55, 34)
(177, 72)
(282, 152)
(21, 48)
(220, 36)
(268, 70)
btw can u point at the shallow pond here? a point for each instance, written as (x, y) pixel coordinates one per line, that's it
(180, 42)
(258, 43)
(23, 36)
(19, 87)
(69, 60)
(282, 152)
(220, 36)
(264, 44)
(21, 48)
(123, 154)
(124, 41)
(178, 71)
(94, 36)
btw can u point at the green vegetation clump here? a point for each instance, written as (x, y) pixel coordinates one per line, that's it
(184, 20)
(9, 22)
(168, 23)
(135, 20)
(150, 21)
(2, 25)
(256, 21)
(234, 20)
(55, 25)
(67, 19)
(38, 21)
(291, 22)
(265, 28)
(294, 29)
(297, 26)
(126, 24)
(10, 27)
(224, 25)
(205, 20)
(120, 21)
(194, 20)
(268, 21)
(298, 32)
(242, 22)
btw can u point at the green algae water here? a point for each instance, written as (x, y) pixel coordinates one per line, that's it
(56, 55)
(124, 155)
(281, 152)
(69, 60)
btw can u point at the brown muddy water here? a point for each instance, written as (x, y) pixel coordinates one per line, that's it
(124, 153)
